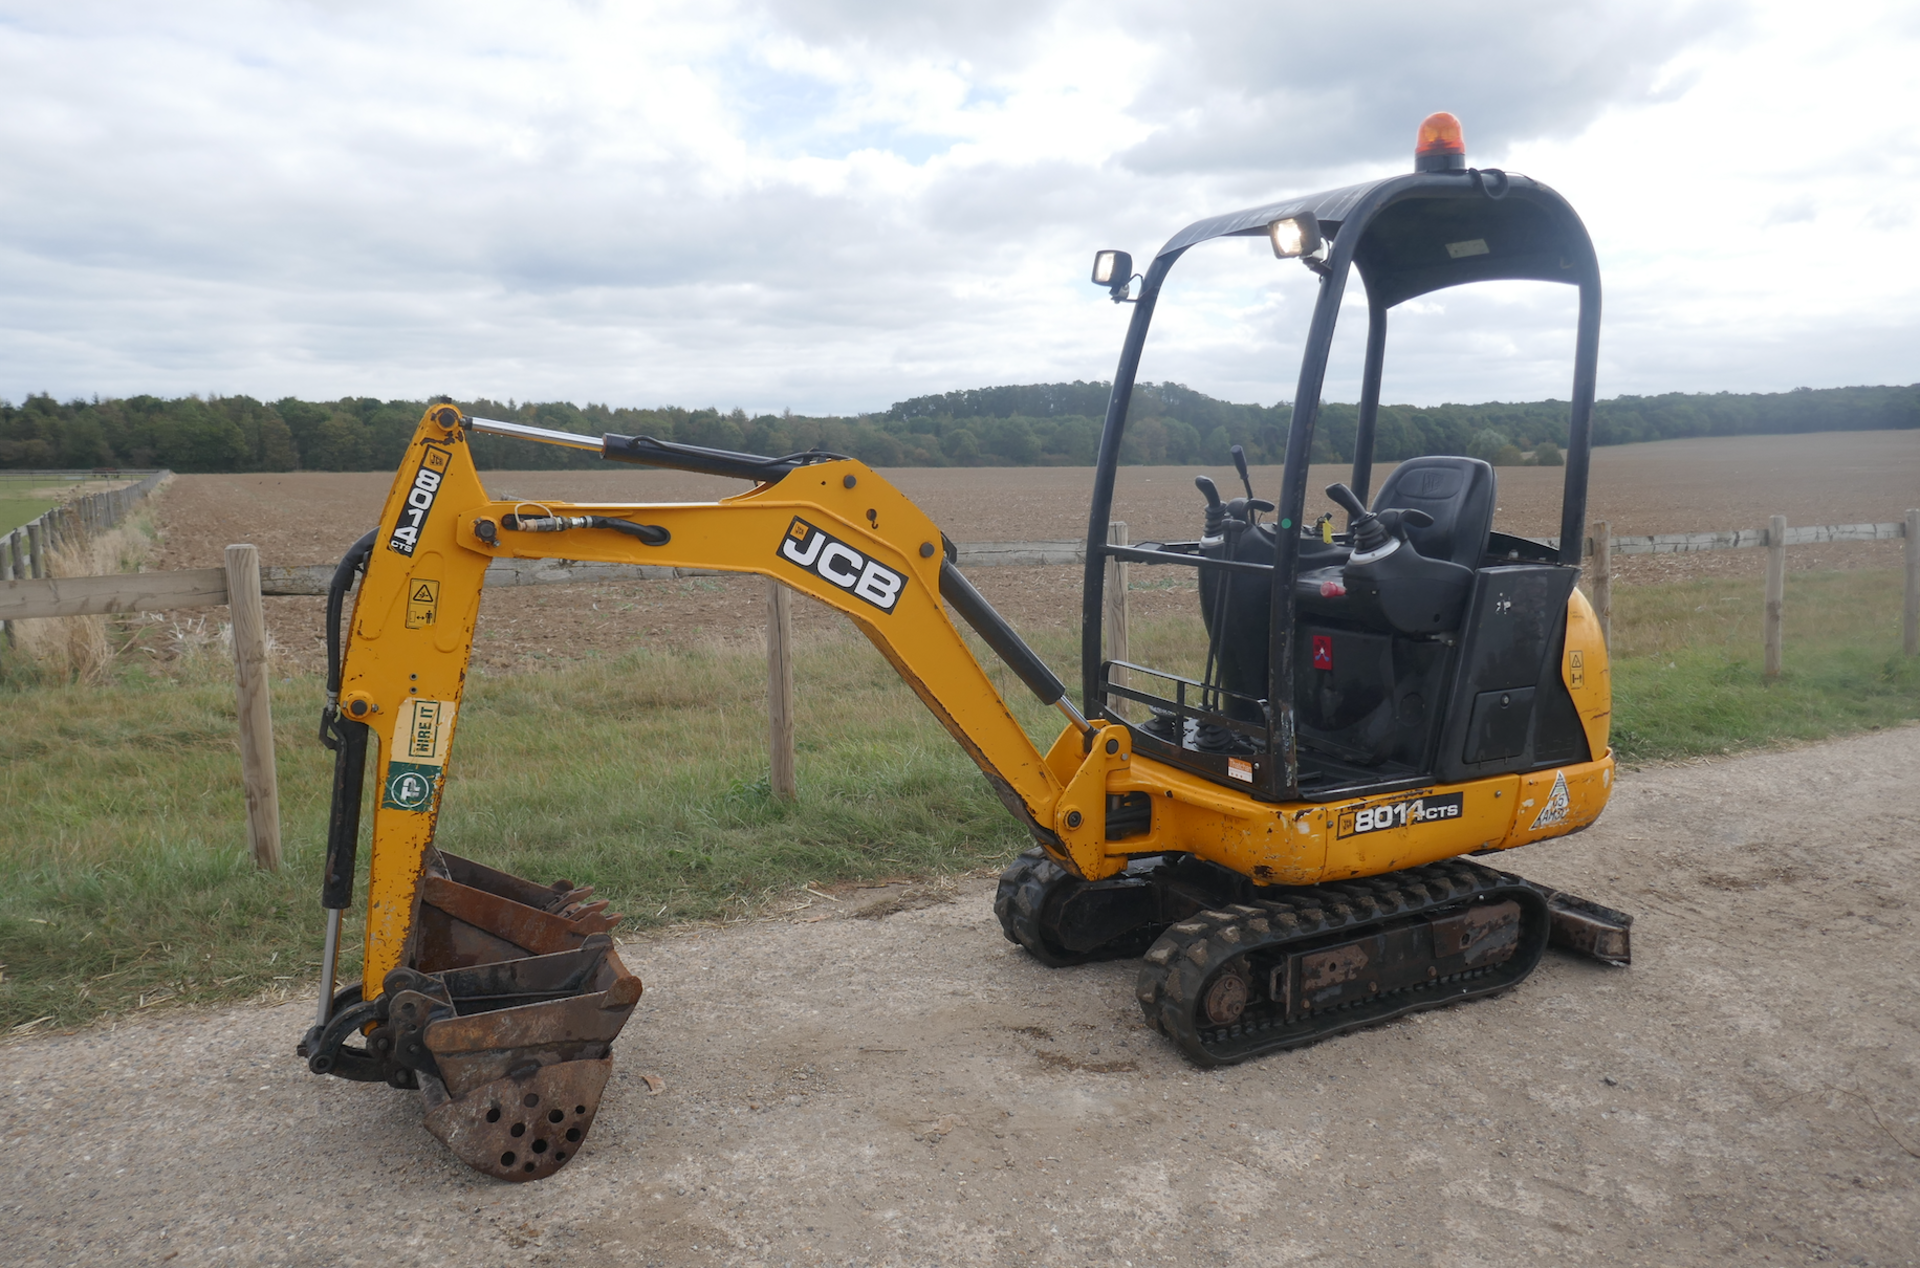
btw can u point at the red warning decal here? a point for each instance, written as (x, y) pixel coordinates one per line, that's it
(1323, 651)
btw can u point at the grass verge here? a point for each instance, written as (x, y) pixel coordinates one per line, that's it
(125, 883)
(1688, 662)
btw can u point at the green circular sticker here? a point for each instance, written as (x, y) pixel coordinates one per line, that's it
(409, 790)
(1286, 523)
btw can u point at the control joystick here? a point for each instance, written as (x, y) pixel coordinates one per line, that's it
(1216, 521)
(1375, 534)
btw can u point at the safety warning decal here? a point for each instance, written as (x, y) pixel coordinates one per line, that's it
(423, 603)
(1576, 669)
(1559, 802)
(1400, 814)
(820, 553)
(426, 486)
(1323, 651)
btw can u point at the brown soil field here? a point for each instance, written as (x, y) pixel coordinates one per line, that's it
(1664, 487)
(909, 1090)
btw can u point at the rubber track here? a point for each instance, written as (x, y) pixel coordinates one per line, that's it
(1026, 887)
(1187, 956)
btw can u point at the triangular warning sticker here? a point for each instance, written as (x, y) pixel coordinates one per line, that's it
(424, 594)
(1558, 803)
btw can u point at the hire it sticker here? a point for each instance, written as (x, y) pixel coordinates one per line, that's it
(420, 743)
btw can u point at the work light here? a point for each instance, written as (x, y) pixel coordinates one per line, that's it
(1294, 237)
(1112, 268)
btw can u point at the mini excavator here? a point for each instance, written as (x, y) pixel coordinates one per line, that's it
(1280, 840)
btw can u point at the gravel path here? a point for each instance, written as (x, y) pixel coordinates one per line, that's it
(912, 1090)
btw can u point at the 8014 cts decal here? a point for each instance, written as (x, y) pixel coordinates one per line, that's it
(413, 515)
(1400, 814)
(825, 555)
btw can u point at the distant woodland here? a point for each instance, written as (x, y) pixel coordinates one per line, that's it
(1049, 424)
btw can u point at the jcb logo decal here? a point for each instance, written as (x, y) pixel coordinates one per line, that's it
(413, 515)
(824, 555)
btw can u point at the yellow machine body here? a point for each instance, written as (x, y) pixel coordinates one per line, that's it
(873, 555)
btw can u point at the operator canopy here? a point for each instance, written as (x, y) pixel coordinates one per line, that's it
(1421, 234)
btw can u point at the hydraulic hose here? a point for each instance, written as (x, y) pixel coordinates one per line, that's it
(350, 563)
(347, 739)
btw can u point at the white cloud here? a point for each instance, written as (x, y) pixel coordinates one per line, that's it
(837, 205)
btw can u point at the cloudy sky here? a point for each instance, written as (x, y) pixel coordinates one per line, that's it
(829, 205)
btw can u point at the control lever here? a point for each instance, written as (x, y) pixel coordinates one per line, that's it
(1240, 465)
(1343, 497)
(1216, 520)
(1373, 530)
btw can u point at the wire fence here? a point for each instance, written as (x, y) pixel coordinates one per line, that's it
(25, 552)
(26, 593)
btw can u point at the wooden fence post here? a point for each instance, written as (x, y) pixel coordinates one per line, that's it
(1117, 612)
(252, 687)
(6, 574)
(1776, 590)
(781, 777)
(1912, 616)
(1603, 579)
(37, 548)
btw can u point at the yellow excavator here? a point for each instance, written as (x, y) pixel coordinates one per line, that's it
(1278, 840)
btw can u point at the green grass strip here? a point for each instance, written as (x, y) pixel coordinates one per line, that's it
(125, 881)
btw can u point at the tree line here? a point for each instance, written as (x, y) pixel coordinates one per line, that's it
(1045, 424)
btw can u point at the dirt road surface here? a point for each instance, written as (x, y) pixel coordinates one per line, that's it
(912, 1090)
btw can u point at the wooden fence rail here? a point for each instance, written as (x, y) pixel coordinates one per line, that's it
(243, 582)
(26, 550)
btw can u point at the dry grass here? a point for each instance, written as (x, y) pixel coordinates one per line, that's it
(76, 648)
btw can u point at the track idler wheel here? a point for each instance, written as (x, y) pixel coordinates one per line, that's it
(1063, 920)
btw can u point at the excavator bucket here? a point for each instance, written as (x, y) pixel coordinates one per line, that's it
(504, 1017)
(532, 998)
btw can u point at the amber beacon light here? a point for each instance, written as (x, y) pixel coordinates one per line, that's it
(1440, 147)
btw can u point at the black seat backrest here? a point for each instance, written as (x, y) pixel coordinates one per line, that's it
(1457, 492)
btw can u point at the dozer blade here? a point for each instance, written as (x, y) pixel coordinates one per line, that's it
(504, 1017)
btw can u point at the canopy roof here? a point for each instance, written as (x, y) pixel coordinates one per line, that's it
(1422, 232)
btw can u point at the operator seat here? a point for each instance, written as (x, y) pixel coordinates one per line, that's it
(1457, 492)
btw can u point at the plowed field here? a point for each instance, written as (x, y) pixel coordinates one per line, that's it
(1666, 487)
